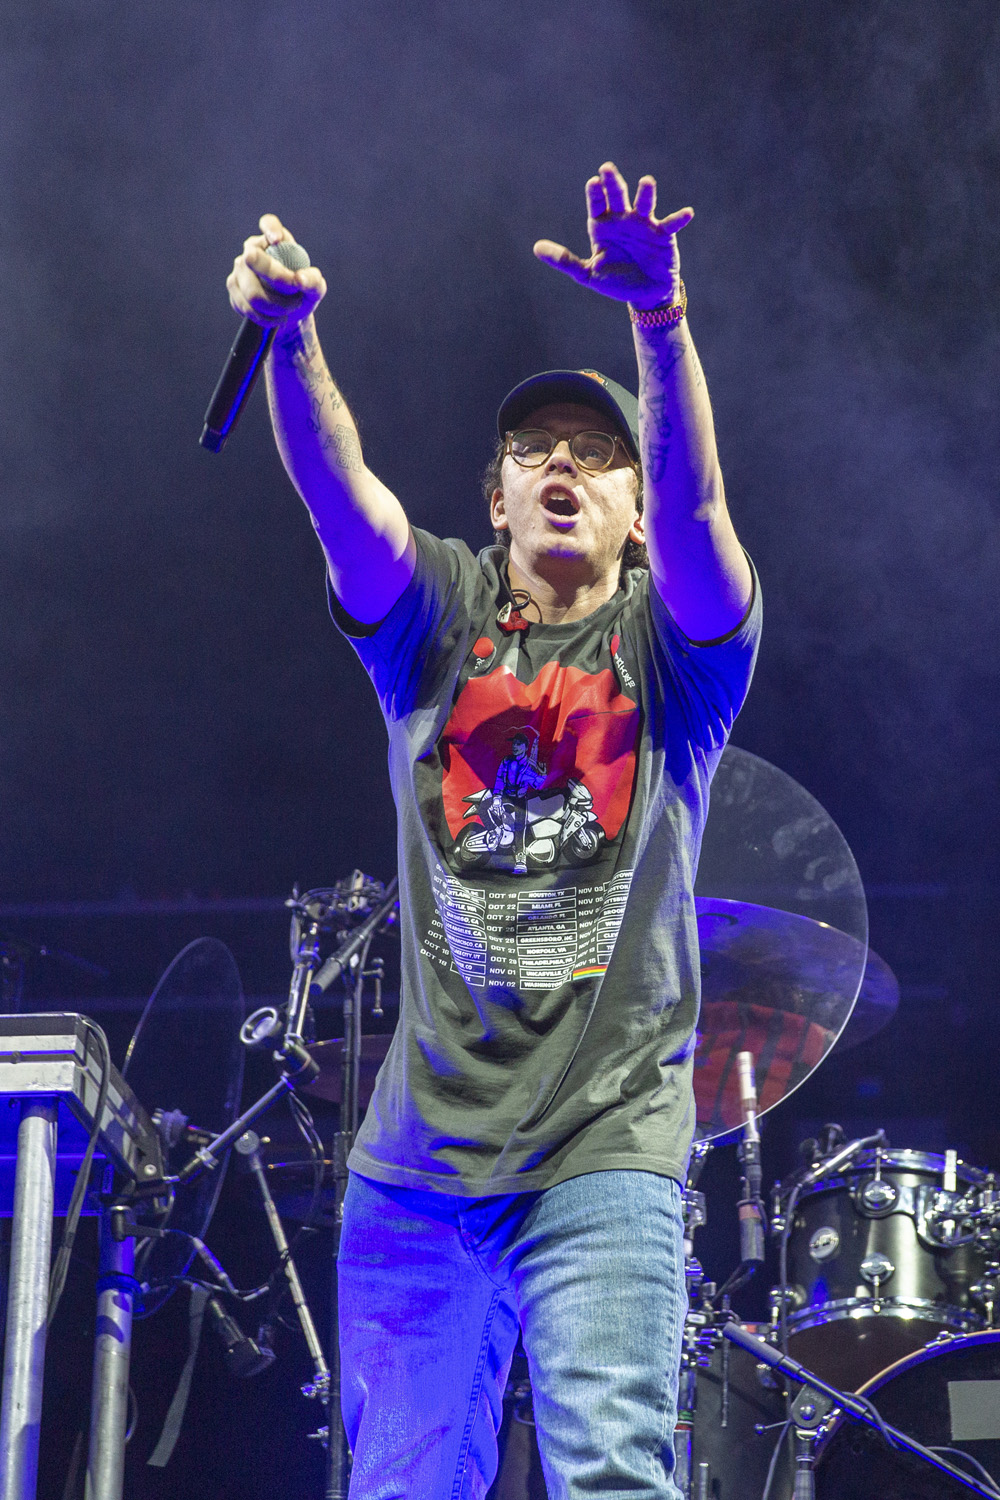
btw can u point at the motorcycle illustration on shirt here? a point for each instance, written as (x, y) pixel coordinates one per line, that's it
(521, 825)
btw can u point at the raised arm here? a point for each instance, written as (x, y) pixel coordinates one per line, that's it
(697, 563)
(360, 523)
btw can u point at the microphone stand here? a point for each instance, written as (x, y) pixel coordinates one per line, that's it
(314, 914)
(352, 950)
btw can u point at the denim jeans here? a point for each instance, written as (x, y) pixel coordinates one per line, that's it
(433, 1290)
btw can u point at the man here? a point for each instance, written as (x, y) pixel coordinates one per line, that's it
(520, 1164)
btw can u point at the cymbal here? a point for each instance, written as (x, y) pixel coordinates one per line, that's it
(330, 1056)
(776, 984)
(875, 1006)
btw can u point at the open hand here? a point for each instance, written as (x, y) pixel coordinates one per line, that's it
(263, 290)
(633, 256)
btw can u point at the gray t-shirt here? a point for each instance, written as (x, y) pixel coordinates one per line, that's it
(551, 786)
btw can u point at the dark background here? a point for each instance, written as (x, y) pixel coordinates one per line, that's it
(182, 735)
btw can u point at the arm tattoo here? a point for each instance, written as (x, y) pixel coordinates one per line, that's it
(657, 435)
(344, 448)
(654, 404)
(301, 352)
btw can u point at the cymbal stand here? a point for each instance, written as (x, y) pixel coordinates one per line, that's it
(314, 915)
(265, 1025)
(248, 1147)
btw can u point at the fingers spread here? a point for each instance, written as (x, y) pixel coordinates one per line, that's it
(563, 260)
(615, 187)
(645, 196)
(673, 223)
(597, 201)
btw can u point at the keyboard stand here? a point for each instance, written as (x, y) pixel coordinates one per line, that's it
(51, 1065)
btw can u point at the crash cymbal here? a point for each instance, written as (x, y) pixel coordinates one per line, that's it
(330, 1056)
(783, 928)
(775, 984)
(875, 1006)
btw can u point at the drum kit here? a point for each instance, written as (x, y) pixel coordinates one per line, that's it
(888, 1260)
(877, 1372)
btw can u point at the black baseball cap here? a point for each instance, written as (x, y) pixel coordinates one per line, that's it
(587, 387)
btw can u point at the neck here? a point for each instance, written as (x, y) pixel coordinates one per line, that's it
(564, 594)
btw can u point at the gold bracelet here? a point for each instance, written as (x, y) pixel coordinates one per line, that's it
(667, 315)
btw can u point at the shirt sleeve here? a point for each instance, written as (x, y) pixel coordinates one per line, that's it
(403, 653)
(710, 679)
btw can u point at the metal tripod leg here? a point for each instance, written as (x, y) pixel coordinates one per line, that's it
(28, 1300)
(112, 1351)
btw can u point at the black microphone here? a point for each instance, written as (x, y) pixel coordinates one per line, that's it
(239, 373)
(244, 1356)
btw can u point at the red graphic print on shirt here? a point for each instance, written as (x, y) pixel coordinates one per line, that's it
(537, 775)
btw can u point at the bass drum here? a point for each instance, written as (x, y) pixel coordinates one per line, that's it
(947, 1396)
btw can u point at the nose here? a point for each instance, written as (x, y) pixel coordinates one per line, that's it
(561, 457)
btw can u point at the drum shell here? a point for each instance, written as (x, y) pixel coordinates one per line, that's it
(838, 1326)
(916, 1395)
(735, 1394)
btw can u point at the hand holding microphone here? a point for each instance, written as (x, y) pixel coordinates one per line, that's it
(273, 287)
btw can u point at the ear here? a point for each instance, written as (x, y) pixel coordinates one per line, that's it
(637, 530)
(498, 514)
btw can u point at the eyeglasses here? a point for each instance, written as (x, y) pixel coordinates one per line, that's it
(593, 451)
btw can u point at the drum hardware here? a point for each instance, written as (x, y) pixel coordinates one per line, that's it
(857, 1407)
(248, 1147)
(824, 1243)
(808, 1412)
(703, 1348)
(354, 911)
(876, 1269)
(728, 1405)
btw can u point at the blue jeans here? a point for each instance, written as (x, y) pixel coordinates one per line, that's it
(433, 1290)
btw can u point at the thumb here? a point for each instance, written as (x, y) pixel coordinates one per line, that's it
(561, 259)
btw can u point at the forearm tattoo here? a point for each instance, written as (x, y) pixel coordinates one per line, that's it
(344, 448)
(657, 429)
(300, 352)
(657, 434)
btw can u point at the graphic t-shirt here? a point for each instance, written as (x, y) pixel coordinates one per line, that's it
(551, 787)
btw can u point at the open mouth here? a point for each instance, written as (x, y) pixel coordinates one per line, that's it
(560, 504)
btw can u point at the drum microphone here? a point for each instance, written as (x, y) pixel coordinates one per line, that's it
(833, 1164)
(239, 373)
(750, 1207)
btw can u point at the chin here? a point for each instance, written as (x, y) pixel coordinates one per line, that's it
(567, 547)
